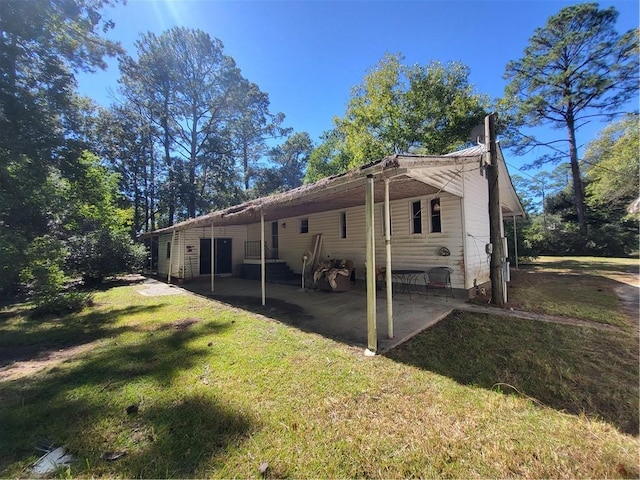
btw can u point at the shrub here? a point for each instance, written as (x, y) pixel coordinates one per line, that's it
(105, 252)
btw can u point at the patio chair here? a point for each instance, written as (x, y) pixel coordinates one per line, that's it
(440, 277)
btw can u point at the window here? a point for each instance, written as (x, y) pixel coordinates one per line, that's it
(343, 225)
(436, 223)
(416, 217)
(168, 249)
(304, 225)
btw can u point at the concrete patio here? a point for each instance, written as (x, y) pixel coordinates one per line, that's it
(340, 316)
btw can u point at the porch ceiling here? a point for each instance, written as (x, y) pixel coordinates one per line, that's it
(400, 187)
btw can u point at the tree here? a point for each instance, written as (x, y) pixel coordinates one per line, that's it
(328, 158)
(290, 161)
(204, 115)
(42, 44)
(575, 68)
(397, 109)
(613, 164)
(252, 127)
(125, 142)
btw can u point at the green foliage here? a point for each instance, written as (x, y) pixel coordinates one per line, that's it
(328, 158)
(575, 68)
(397, 109)
(46, 279)
(613, 164)
(104, 252)
(290, 161)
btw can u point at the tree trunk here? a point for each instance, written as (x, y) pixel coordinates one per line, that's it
(245, 160)
(578, 191)
(171, 174)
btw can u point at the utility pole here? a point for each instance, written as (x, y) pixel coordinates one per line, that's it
(495, 215)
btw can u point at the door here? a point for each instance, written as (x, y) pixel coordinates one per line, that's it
(224, 261)
(205, 256)
(274, 239)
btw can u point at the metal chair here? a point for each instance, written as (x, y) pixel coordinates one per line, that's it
(440, 277)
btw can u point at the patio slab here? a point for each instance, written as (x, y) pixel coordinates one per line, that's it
(341, 316)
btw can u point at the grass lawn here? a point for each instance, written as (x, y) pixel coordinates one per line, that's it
(577, 287)
(221, 392)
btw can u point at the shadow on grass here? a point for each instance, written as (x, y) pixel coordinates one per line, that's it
(83, 406)
(571, 369)
(629, 265)
(37, 337)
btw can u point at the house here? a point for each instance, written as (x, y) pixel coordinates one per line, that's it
(438, 215)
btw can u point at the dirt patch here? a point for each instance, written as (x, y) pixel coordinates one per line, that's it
(40, 357)
(629, 295)
(184, 324)
(154, 288)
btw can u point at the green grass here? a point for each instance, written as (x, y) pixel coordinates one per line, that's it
(578, 370)
(574, 287)
(220, 391)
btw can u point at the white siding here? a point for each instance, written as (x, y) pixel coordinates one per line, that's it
(476, 213)
(186, 251)
(163, 261)
(408, 251)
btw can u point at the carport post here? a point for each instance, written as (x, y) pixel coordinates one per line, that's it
(515, 241)
(213, 258)
(173, 243)
(372, 334)
(262, 260)
(387, 244)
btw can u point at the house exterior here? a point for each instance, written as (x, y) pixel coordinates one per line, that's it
(438, 214)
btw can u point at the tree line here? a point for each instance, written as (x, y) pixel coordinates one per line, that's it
(190, 134)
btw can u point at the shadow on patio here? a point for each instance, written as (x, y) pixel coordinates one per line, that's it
(340, 316)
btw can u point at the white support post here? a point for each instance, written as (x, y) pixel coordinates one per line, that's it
(263, 269)
(515, 241)
(372, 335)
(213, 258)
(387, 244)
(173, 243)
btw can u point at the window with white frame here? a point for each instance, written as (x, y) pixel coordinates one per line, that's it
(436, 219)
(343, 224)
(416, 216)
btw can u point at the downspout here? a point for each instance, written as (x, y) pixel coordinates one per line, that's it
(515, 241)
(213, 258)
(465, 258)
(173, 244)
(181, 267)
(372, 335)
(263, 269)
(387, 244)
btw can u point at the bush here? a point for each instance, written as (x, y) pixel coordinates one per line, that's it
(101, 253)
(62, 302)
(46, 280)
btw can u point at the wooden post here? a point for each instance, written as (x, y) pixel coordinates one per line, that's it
(372, 335)
(495, 215)
(387, 244)
(263, 268)
(213, 258)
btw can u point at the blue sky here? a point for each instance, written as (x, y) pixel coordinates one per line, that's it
(308, 54)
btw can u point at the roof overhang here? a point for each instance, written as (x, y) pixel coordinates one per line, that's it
(408, 175)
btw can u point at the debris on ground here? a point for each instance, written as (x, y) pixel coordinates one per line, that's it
(52, 460)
